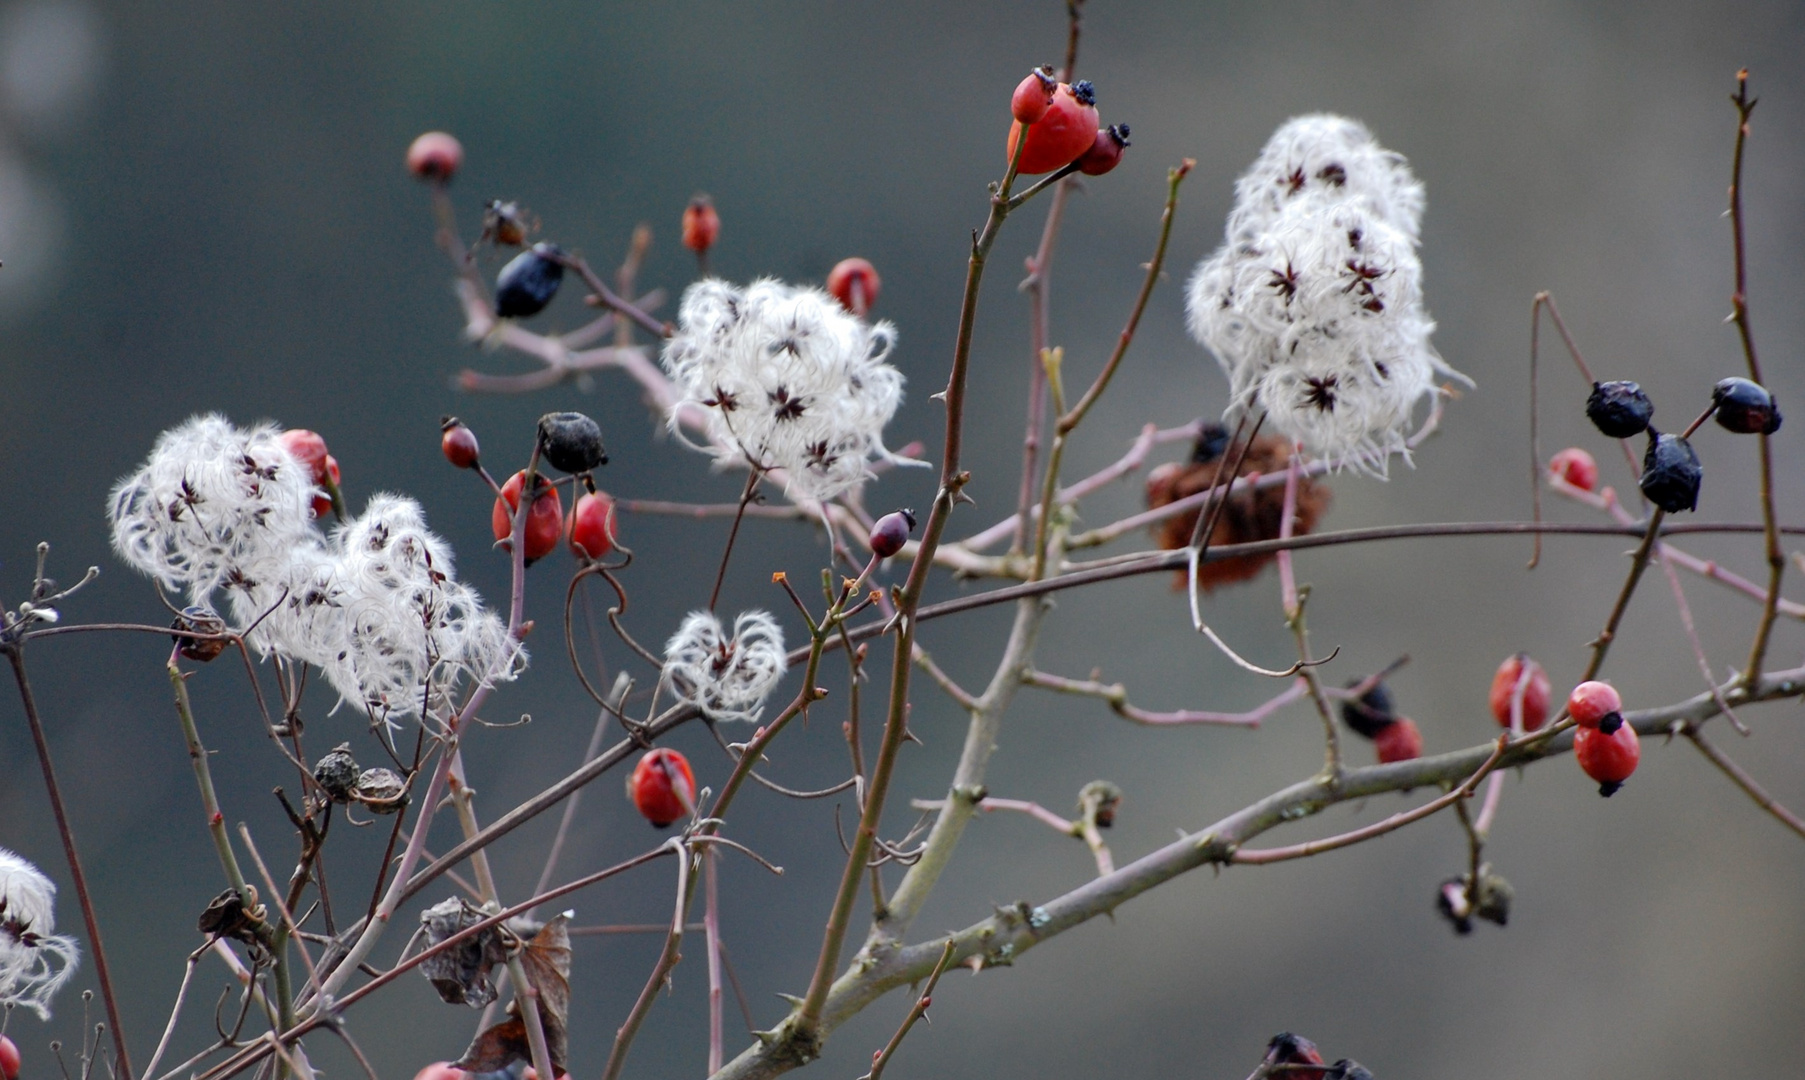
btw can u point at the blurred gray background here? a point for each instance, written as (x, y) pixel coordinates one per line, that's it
(202, 206)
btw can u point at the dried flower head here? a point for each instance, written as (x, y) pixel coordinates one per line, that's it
(1313, 304)
(728, 678)
(787, 379)
(34, 962)
(377, 606)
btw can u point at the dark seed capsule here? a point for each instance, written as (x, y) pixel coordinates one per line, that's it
(1745, 407)
(528, 282)
(337, 773)
(571, 442)
(1347, 1069)
(1619, 409)
(1212, 440)
(891, 532)
(1370, 712)
(199, 620)
(1671, 472)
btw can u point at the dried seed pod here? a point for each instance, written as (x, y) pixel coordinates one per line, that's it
(1495, 896)
(1098, 800)
(380, 790)
(337, 773)
(198, 619)
(460, 974)
(571, 442)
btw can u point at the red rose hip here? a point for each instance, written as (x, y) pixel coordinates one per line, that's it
(854, 283)
(458, 443)
(1608, 758)
(1106, 152)
(662, 787)
(435, 156)
(1398, 741)
(1033, 95)
(701, 224)
(592, 526)
(1596, 705)
(544, 519)
(9, 1059)
(1535, 695)
(890, 532)
(1576, 467)
(1068, 129)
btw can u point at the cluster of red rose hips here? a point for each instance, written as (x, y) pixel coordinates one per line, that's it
(1061, 124)
(309, 449)
(571, 443)
(1606, 747)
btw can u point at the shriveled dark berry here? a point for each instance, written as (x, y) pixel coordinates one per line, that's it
(1370, 712)
(1745, 407)
(528, 282)
(571, 442)
(1619, 409)
(337, 773)
(199, 620)
(1670, 472)
(1287, 1048)
(891, 532)
(1348, 1069)
(1212, 440)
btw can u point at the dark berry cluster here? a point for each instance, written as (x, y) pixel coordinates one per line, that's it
(1671, 472)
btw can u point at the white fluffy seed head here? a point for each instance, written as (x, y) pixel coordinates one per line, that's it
(1313, 304)
(34, 961)
(786, 378)
(377, 606)
(728, 678)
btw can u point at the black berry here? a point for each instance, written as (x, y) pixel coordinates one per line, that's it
(1670, 472)
(571, 442)
(1619, 409)
(528, 282)
(1370, 713)
(891, 532)
(1745, 407)
(1212, 440)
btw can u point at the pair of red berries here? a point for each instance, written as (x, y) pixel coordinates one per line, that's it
(591, 528)
(309, 449)
(1395, 738)
(662, 787)
(1607, 748)
(1061, 124)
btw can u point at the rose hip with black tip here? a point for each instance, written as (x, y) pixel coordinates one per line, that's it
(529, 281)
(1619, 409)
(1287, 1048)
(1670, 472)
(1034, 95)
(571, 442)
(1106, 152)
(458, 443)
(891, 532)
(1745, 407)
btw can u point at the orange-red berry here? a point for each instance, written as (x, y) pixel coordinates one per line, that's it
(1596, 705)
(1576, 467)
(1535, 695)
(662, 787)
(435, 156)
(592, 526)
(855, 284)
(1398, 741)
(1068, 129)
(9, 1059)
(1033, 95)
(544, 519)
(701, 225)
(1608, 758)
(1106, 151)
(458, 443)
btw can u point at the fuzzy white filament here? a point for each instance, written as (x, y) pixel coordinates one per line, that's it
(376, 606)
(728, 678)
(1313, 304)
(787, 379)
(34, 961)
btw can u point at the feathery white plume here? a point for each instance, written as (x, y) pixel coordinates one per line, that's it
(727, 678)
(34, 961)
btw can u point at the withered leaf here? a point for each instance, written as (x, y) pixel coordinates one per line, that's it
(546, 959)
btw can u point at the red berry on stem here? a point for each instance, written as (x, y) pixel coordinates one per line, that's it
(1286, 1048)
(1608, 758)
(890, 532)
(1596, 705)
(1106, 152)
(458, 444)
(662, 786)
(544, 519)
(1033, 95)
(435, 156)
(9, 1059)
(854, 283)
(1575, 467)
(441, 1070)
(701, 225)
(1535, 695)
(1398, 741)
(592, 526)
(1068, 129)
